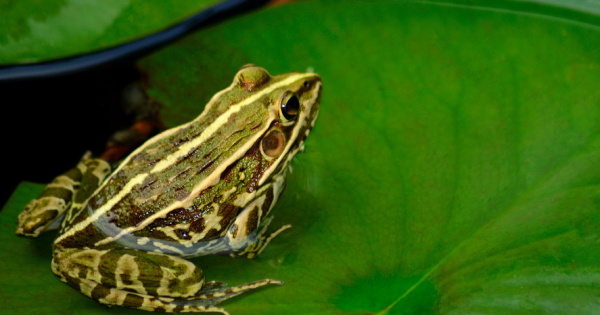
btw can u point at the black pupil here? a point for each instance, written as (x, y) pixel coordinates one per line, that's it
(290, 108)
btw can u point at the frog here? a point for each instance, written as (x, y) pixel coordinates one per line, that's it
(202, 188)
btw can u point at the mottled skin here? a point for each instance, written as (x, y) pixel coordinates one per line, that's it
(201, 188)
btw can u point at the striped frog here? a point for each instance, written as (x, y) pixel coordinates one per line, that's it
(205, 187)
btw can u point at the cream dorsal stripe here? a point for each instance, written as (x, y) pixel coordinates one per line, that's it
(220, 121)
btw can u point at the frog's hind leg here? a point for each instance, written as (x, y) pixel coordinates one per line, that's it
(64, 191)
(147, 281)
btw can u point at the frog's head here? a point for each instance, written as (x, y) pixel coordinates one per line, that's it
(292, 111)
(287, 106)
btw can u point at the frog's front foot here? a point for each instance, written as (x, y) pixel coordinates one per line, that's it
(256, 248)
(144, 280)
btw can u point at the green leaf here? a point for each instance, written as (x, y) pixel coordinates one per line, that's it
(41, 30)
(454, 167)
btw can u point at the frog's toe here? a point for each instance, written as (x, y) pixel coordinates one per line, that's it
(220, 294)
(206, 301)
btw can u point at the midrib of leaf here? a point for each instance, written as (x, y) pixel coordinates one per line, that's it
(434, 268)
(517, 200)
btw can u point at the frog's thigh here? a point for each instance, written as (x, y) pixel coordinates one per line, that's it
(148, 281)
(129, 270)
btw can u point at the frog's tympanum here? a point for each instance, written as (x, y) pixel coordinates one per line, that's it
(205, 187)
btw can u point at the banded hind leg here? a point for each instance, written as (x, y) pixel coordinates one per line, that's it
(143, 280)
(65, 191)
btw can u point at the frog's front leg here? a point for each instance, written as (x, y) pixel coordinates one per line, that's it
(242, 242)
(143, 280)
(67, 190)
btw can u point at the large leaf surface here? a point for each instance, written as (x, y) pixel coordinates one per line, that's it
(454, 167)
(41, 30)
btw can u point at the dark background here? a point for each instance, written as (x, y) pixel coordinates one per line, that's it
(48, 124)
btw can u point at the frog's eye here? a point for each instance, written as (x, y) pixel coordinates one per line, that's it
(272, 144)
(290, 107)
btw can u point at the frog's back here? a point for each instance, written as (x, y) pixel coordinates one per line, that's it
(161, 184)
